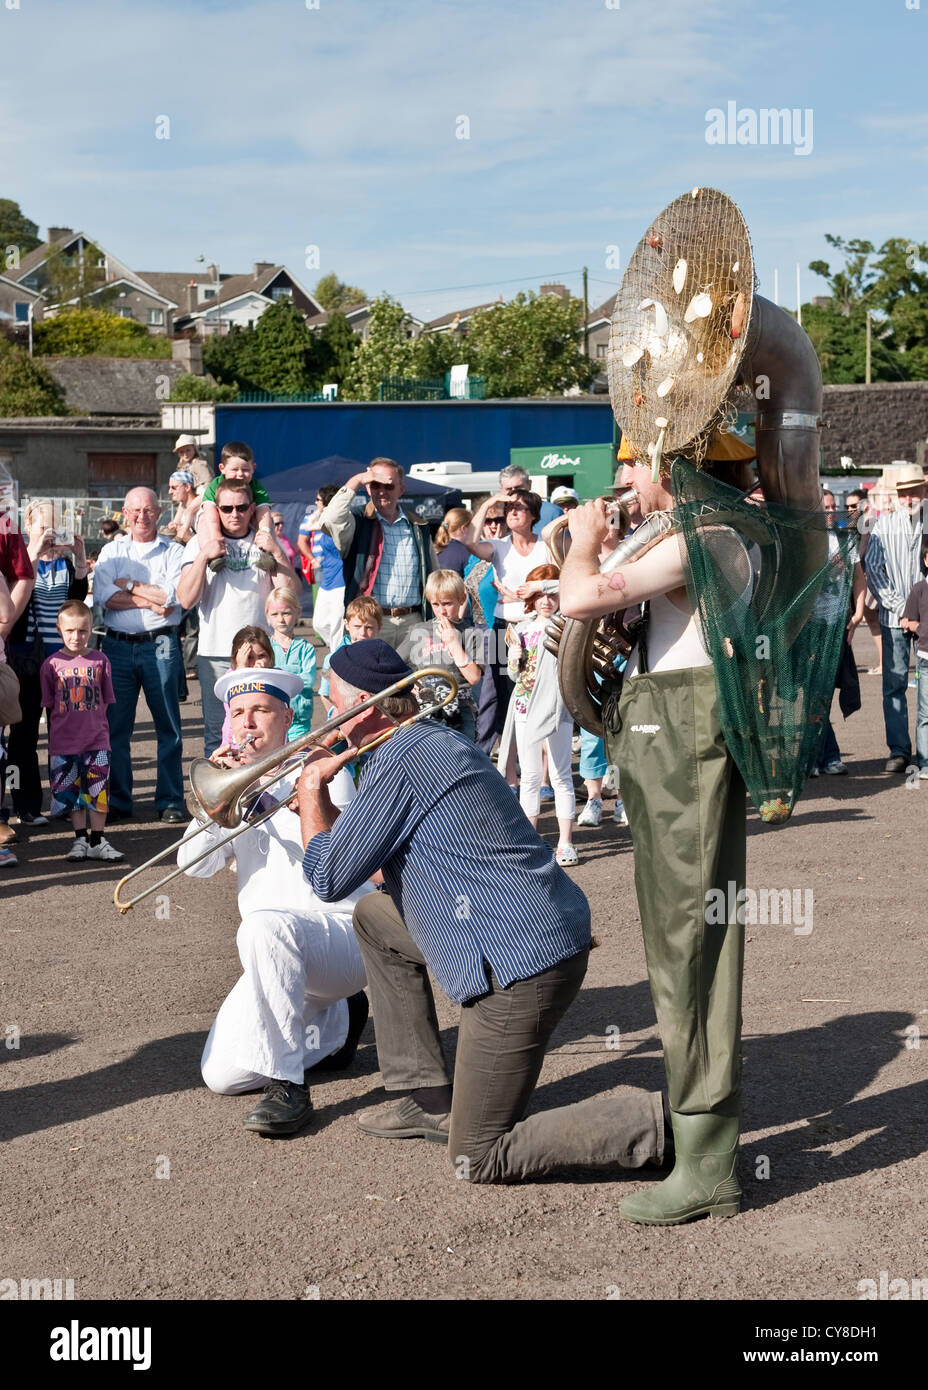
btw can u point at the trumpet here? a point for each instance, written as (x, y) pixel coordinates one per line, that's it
(219, 796)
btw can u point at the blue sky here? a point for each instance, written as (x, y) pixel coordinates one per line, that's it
(336, 127)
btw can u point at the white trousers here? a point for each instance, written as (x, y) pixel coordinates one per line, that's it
(288, 1010)
(530, 748)
(329, 616)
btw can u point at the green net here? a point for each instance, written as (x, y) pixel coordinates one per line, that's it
(771, 588)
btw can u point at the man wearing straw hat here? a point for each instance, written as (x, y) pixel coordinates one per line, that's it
(893, 567)
(299, 1004)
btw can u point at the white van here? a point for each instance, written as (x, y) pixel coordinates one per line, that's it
(457, 473)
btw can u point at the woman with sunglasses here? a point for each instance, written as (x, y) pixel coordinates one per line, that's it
(277, 522)
(512, 557)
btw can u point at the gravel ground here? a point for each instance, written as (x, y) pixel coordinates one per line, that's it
(126, 1175)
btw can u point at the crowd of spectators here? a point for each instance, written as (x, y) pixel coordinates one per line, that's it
(215, 585)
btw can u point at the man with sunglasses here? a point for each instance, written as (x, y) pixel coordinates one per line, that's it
(136, 581)
(230, 598)
(386, 554)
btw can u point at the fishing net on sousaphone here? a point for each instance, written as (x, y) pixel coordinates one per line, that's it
(774, 629)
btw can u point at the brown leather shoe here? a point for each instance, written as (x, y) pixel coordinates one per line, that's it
(404, 1119)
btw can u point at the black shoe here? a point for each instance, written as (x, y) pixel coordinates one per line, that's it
(172, 815)
(358, 1011)
(284, 1108)
(116, 814)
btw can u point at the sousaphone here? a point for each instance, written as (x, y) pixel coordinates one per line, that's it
(691, 344)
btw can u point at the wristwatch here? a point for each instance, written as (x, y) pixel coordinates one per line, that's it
(130, 585)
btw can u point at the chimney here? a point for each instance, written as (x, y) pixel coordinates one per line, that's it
(188, 353)
(262, 267)
(60, 233)
(191, 296)
(560, 290)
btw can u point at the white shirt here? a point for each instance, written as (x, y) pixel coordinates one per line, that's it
(232, 598)
(270, 857)
(147, 562)
(511, 570)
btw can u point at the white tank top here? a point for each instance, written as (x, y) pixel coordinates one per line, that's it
(673, 639)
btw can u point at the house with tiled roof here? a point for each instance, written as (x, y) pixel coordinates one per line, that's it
(211, 302)
(598, 326)
(123, 291)
(455, 321)
(359, 317)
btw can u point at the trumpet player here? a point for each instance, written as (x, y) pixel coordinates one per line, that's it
(299, 1004)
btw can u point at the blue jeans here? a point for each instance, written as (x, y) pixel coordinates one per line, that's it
(896, 644)
(209, 669)
(828, 750)
(921, 713)
(156, 668)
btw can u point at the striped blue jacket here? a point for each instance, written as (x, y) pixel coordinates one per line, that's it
(474, 883)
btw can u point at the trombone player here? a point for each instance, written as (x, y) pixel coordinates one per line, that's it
(300, 1001)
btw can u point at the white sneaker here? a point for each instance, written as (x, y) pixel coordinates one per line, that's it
(923, 775)
(836, 768)
(104, 850)
(592, 812)
(77, 851)
(575, 743)
(618, 814)
(609, 780)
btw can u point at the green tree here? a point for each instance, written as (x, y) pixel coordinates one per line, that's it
(889, 284)
(335, 348)
(202, 388)
(437, 353)
(26, 387)
(840, 342)
(387, 351)
(96, 333)
(228, 357)
(279, 355)
(333, 293)
(18, 236)
(531, 346)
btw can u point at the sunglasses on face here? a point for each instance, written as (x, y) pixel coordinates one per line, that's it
(278, 524)
(235, 507)
(517, 508)
(495, 520)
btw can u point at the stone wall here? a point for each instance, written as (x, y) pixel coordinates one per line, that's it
(875, 424)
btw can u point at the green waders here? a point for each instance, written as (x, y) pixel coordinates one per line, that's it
(686, 809)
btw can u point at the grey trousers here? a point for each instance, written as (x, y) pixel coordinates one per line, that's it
(501, 1047)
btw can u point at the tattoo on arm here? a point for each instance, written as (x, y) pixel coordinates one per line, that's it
(616, 580)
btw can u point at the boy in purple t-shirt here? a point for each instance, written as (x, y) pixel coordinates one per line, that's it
(77, 686)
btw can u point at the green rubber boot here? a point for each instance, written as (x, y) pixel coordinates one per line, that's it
(704, 1181)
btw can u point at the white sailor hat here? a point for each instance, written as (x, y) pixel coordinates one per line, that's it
(258, 680)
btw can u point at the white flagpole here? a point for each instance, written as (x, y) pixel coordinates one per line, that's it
(798, 297)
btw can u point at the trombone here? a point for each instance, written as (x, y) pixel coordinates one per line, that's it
(218, 795)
